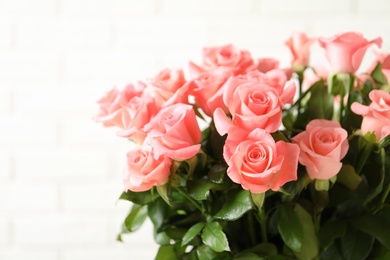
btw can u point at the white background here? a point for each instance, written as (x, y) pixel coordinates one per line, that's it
(60, 173)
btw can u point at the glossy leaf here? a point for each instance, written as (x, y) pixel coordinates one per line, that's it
(320, 104)
(330, 231)
(375, 225)
(206, 253)
(217, 173)
(310, 247)
(199, 189)
(237, 203)
(136, 217)
(290, 228)
(214, 237)
(356, 245)
(166, 253)
(192, 232)
(162, 190)
(140, 198)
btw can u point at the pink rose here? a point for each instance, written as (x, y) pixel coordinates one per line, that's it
(266, 64)
(143, 170)
(168, 87)
(227, 56)
(135, 115)
(257, 163)
(345, 51)
(376, 116)
(323, 145)
(252, 103)
(207, 89)
(299, 44)
(174, 132)
(111, 104)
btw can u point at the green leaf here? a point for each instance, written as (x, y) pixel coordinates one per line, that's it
(199, 189)
(162, 190)
(237, 203)
(217, 173)
(192, 232)
(384, 142)
(264, 249)
(378, 75)
(321, 103)
(258, 199)
(375, 225)
(332, 253)
(140, 198)
(290, 228)
(356, 245)
(348, 177)
(158, 212)
(166, 253)
(136, 217)
(330, 231)
(247, 256)
(309, 248)
(214, 237)
(206, 253)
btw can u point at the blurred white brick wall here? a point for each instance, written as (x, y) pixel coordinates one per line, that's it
(60, 173)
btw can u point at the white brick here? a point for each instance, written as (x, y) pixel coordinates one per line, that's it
(5, 232)
(91, 196)
(305, 6)
(5, 35)
(31, 196)
(5, 101)
(159, 32)
(109, 8)
(60, 230)
(28, 7)
(76, 133)
(5, 164)
(61, 165)
(64, 34)
(23, 131)
(27, 66)
(19, 253)
(377, 6)
(199, 7)
(116, 66)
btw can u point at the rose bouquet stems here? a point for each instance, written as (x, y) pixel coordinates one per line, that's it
(238, 158)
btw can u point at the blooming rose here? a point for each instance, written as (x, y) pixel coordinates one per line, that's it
(252, 102)
(266, 64)
(143, 170)
(207, 89)
(376, 116)
(257, 163)
(227, 56)
(111, 104)
(299, 45)
(168, 87)
(174, 132)
(135, 115)
(345, 51)
(323, 145)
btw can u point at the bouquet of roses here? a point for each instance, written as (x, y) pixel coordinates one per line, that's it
(236, 158)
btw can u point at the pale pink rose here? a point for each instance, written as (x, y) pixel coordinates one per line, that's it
(135, 115)
(168, 87)
(266, 64)
(229, 57)
(376, 116)
(143, 170)
(252, 103)
(345, 51)
(111, 104)
(174, 132)
(313, 75)
(299, 44)
(207, 89)
(323, 145)
(258, 163)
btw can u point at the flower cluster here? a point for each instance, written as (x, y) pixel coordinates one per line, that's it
(289, 162)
